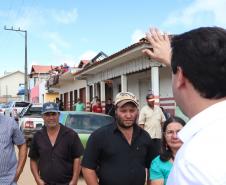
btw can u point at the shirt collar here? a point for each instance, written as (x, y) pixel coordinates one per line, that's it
(202, 120)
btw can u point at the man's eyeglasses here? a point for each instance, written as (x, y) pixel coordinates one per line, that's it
(50, 114)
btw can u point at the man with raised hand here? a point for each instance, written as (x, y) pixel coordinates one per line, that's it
(198, 63)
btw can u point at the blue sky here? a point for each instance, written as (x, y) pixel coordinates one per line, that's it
(71, 30)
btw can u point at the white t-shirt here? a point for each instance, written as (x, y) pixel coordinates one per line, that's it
(202, 158)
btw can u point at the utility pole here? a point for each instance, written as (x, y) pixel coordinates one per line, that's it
(25, 65)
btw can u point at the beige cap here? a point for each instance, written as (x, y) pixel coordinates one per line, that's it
(125, 97)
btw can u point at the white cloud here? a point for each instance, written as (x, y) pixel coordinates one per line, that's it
(65, 17)
(88, 55)
(55, 49)
(137, 35)
(32, 19)
(56, 38)
(199, 13)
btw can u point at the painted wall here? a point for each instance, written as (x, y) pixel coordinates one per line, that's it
(139, 84)
(34, 94)
(42, 92)
(50, 97)
(9, 84)
(165, 87)
(68, 86)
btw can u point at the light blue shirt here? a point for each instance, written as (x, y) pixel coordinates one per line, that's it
(160, 169)
(10, 135)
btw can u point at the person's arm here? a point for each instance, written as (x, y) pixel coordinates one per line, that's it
(163, 118)
(156, 176)
(22, 156)
(90, 176)
(156, 182)
(160, 46)
(35, 172)
(76, 171)
(141, 120)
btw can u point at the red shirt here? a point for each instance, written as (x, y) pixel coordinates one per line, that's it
(97, 108)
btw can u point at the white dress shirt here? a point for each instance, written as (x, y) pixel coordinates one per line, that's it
(202, 158)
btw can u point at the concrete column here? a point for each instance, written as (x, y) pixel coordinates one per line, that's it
(124, 87)
(87, 98)
(94, 90)
(102, 93)
(155, 83)
(78, 93)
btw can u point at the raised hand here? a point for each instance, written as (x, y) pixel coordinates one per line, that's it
(160, 44)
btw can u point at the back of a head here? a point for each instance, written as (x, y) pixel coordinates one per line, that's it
(201, 54)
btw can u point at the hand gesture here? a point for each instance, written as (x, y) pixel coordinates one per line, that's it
(161, 46)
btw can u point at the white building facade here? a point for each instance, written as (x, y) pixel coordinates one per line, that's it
(129, 70)
(9, 86)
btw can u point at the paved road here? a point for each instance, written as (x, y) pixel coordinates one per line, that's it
(26, 177)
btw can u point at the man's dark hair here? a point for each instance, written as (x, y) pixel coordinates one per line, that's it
(201, 54)
(165, 152)
(148, 95)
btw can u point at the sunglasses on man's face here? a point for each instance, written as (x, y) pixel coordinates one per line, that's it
(50, 114)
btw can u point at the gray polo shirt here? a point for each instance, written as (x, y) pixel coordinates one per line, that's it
(10, 135)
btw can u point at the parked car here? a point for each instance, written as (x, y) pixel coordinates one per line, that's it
(30, 121)
(2, 108)
(15, 107)
(84, 123)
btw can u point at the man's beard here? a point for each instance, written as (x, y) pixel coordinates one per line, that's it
(119, 121)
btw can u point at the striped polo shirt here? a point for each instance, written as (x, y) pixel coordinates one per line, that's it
(10, 135)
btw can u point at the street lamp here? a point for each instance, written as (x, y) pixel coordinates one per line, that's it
(25, 65)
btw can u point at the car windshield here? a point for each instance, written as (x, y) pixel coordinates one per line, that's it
(33, 111)
(87, 123)
(21, 104)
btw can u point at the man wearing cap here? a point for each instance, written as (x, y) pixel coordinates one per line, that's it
(151, 118)
(55, 151)
(119, 153)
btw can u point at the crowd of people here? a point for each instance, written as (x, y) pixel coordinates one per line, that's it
(139, 147)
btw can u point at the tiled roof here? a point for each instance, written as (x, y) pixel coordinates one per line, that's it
(41, 69)
(141, 42)
(82, 63)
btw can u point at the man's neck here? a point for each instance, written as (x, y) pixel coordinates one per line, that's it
(151, 106)
(53, 130)
(200, 105)
(127, 132)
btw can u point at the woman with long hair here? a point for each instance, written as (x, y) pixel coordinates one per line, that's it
(162, 164)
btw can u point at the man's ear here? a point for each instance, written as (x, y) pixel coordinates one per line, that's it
(180, 78)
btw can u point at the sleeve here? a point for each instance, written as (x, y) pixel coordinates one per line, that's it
(162, 115)
(152, 152)
(33, 152)
(77, 147)
(141, 120)
(155, 171)
(92, 152)
(187, 173)
(18, 137)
